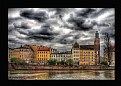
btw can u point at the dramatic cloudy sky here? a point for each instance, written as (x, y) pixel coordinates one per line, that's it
(59, 27)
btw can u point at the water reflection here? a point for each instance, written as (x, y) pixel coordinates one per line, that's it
(62, 75)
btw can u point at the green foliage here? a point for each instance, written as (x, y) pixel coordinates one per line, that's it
(104, 63)
(17, 60)
(62, 62)
(33, 60)
(52, 62)
(70, 62)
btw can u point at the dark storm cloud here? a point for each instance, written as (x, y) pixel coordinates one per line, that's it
(78, 24)
(59, 11)
(85, 12)
(40, 16)
(13, 41)
(65, 40)
(40, 38)
(100, 24)
(101, 11)
(59, 27)
(11, 20)
(45, 30)
(23, 25)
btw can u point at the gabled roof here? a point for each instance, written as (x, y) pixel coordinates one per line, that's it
(76, 45)
(92, 47)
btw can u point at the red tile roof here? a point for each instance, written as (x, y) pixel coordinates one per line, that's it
(43, 48)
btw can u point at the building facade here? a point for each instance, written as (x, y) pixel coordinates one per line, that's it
(112, 55)
(24, 53)
(87, 54)
(10, 54)
(41, 54)
(76, 53)
(59, 56)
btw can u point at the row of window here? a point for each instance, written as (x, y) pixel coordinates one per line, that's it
(87, 55)
(87, 52)
(86, 64)
(76, 58)
(43, 52)
(76, 52)
(76, 55)
(42, 55)
(60, 56)
(76, 49)
(42, 58)
(87, 60)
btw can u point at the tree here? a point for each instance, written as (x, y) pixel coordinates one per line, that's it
(52, 62)
(104, 63)
(15, 60)
(62, 62)
(70, 62)
(18, 61)
(33, 60)
(107, 46)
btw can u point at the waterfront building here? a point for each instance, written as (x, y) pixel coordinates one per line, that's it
(79, 50)
(10, 54)
(25, 53)
(112, 55)
(41, 54)
(53, 53)
(87, 56)
(59, 56)
(76, 53)
(53, 50)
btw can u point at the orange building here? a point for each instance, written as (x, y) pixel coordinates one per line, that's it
(25, 53)
(41, 54)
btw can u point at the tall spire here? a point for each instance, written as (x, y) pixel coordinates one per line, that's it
(96, 34)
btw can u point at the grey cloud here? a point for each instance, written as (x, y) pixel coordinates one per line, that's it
(40, 16)
(42, 26)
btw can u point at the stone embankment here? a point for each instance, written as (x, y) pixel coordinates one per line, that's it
(38, 67)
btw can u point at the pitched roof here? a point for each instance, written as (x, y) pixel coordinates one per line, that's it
(76, 45)
(92, 47)
(43, 48)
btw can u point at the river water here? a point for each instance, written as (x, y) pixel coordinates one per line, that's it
(61, 75)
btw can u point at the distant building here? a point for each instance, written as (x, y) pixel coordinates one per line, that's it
(112, 55)
(41, 54)
(87, 56)
(53, 53)
(76, 53)
(59, 56)
(25, 53)
(10, 54)
(79, 50)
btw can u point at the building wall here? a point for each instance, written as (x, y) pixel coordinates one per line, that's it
(76, 55)
(43, 56)
(23, 53)
(10, 54)
(61, 56)
(112, 58)
(87, 57)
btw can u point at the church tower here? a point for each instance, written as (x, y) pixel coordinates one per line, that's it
(97, 47)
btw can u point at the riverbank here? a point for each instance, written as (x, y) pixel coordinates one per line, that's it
(61, 75)
(39, 67)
